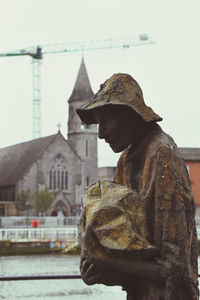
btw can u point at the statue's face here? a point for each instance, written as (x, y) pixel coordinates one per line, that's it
(117, 128)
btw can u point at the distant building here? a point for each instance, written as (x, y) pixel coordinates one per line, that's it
(192, 161)
(191, 157)
(106, 173)
(66, 167)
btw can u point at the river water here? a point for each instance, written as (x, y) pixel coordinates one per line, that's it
(73, 289)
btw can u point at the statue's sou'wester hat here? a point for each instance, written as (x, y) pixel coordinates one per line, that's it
(119, 89)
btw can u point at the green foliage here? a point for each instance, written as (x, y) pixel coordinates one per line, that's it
(42, 200)
(24, 199)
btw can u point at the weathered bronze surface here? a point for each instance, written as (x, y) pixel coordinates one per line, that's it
(120, 89)
(116, 217)
(148, 209)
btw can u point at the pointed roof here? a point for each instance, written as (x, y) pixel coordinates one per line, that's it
(17, 159)
(82, 89)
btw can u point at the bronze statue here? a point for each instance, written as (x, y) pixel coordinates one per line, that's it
(146, 243)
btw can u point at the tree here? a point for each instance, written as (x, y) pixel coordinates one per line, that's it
(24, 200)
(42, 200)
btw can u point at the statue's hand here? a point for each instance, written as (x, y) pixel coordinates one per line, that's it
(94, 264)
(89, 272)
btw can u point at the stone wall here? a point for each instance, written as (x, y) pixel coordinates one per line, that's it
(38, 176)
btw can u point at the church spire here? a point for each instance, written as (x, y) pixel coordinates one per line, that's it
(82, 137)
(82, 88)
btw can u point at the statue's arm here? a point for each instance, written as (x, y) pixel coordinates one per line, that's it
(121, 269)
(95, 273)
(160, 268)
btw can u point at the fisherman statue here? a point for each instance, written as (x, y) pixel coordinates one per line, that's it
(138, 231)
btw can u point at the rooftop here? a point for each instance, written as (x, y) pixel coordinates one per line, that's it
(16, 159)
(190, 154)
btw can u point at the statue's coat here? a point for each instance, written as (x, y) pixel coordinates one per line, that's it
(158, 173)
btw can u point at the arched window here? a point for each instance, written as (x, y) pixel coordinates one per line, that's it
(50, 180)
(66, 180)
(58, 179)
(87, 181)
(58, 175)
(86, 148)
(62, 180)
(54, 179)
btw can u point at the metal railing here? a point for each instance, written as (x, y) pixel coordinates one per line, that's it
(25, 222)
(39, 277)
(42, 277)
(38, 234)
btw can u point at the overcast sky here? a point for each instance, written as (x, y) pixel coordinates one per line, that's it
(168, 71)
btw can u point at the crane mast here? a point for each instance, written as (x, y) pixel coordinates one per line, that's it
(37, 53)
(36, 102)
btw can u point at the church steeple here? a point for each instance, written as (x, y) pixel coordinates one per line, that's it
(82, 137)
(81, 94)
(82, 88)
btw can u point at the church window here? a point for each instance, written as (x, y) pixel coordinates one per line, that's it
(87, 180)
(66, 180)
(58, 176)
(54, 179)
(62, 180)
(86, 147)
(58, 179)
(50, 180)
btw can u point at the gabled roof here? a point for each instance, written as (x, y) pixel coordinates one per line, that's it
(190, 154)
(82, 88)
(16, 160)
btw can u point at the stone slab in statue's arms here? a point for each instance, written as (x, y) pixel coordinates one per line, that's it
(117, 221)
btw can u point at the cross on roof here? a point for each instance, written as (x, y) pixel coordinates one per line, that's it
(59, 126)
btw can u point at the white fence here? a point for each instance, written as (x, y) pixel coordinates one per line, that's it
(25, 222)
(68, 234)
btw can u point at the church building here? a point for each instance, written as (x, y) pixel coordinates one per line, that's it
(65, 166)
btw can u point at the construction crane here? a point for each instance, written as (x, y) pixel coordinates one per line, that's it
(37, 52)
